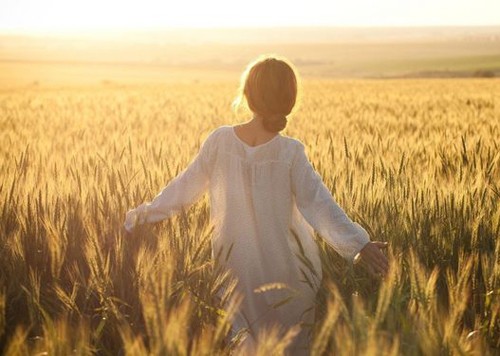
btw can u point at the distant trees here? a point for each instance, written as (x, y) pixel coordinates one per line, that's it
(483, 73)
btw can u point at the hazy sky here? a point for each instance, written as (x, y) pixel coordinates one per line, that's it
(76, 15)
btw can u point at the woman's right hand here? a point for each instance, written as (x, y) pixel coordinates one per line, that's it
(373, 258)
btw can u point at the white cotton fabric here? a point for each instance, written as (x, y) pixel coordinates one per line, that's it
(264, 200)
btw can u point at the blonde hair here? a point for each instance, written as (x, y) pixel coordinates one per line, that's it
(269, 87)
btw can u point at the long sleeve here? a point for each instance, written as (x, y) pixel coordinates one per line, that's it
(318, 207)
(180, 193)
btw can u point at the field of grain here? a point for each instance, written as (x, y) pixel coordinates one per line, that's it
(417, 162)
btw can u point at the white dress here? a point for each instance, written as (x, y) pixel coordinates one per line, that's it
(265, 203)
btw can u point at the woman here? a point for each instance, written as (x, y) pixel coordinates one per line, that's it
(265, 200)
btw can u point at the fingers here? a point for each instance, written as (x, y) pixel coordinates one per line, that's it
(380, 266)
(374, 272)
(377, 256)
(375, 261)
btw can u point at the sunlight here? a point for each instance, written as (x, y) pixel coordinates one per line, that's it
(96, 15)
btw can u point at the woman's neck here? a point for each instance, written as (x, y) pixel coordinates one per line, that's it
(253, 131)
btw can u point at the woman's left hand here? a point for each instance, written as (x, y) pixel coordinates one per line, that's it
(372, 256)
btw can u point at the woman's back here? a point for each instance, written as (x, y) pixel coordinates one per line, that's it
(252, 201)
(255, 217)
(259, 196)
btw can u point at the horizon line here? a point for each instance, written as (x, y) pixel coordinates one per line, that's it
(114, 30)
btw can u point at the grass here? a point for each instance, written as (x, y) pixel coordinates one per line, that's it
(416, 162)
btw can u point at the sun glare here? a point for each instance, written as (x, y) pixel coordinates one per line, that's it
(96, 15)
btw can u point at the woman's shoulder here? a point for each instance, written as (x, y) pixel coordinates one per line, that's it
(289, 149)
(218, 132)
(221, 130)
(293, 143)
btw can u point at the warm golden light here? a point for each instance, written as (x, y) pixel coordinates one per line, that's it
(96, 15)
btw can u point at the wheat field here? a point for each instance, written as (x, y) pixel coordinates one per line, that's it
(416, 162)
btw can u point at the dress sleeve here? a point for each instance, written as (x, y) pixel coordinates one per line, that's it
(318, 207)
(180, 193)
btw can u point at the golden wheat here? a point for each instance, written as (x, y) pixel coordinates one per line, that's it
(416, 162)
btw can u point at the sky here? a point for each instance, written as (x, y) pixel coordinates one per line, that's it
(33, 16)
